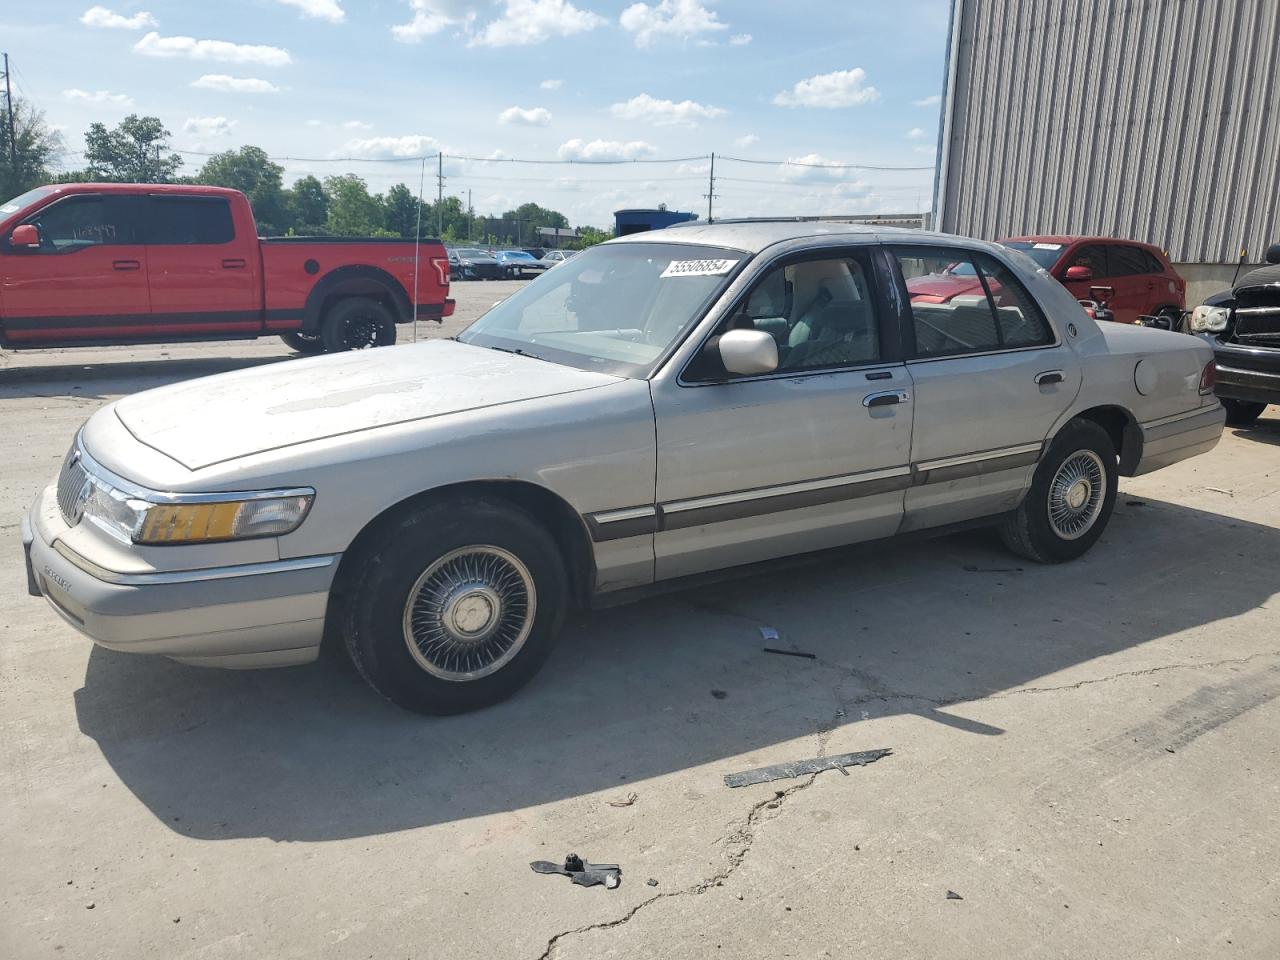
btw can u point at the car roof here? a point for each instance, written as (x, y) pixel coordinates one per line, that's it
(752, 236)
(184, 189)
(1064, 240)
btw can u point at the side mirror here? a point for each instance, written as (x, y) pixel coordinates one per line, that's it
(1078, 272)
(747, 352)
(1273, 253)
(26, 236)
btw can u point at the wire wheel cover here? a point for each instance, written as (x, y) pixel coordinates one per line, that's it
(469, 613)
(1076, 494)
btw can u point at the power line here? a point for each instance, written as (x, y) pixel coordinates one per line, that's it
(823, 165)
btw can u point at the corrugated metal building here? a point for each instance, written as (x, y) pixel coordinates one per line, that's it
(1154, 120)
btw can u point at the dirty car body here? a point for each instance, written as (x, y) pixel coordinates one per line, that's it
(659, 406)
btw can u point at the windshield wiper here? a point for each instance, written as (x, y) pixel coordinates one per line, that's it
(522, 353)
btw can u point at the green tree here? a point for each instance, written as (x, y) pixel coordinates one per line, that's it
(444, 217)
(523, 222)
(352, 211)
(136, 151)
(400, 211)
(250, 171)
(308, 206)
(589, 237)
(34, 146)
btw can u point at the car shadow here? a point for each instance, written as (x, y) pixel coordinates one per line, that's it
(102, 381)
(1266, 429)
(904, 627)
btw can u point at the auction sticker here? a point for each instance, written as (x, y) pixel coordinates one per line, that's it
(698, 268)
(1047, 246)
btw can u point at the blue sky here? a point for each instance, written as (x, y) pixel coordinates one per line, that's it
(818, 82)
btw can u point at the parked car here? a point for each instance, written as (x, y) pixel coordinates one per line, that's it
(1243, 327)
(536, 252)
(86, 264)
(518, 264)
(1135, 279)
(663, 405)
(471, 263)
(555, 257)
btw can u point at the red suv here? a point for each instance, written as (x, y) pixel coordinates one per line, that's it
(1134, 279)
(1137, 277)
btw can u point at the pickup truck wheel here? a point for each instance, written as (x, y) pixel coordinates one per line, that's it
(1241, 413)
(456, 606)
(356, 324)
(1071, 498)
(303, 342)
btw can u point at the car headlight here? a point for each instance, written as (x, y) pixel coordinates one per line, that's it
(1209, 319)
(197, 518)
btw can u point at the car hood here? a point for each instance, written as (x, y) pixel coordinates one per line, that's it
(943, 287)
(215, 419)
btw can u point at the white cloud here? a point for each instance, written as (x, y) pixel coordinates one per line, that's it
(206, 128)
(679, 19)
(531, 117)
(109, 19)
(330, 10)
(579, 149)
(526, 22)
(99, 96)
(154, 45)
(386, 148)
(665, 112)
(315, 123)
(357, 125)
(551, 84)
(842, 88)
(747, 140)
(740, 39)
(811, 167)
(225, 84)
(931, 101)
(432, 16)
(915, 133)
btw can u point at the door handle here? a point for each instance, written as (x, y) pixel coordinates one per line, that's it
(126, 265)
(1048, 377)
(234, 264)
(885, 398)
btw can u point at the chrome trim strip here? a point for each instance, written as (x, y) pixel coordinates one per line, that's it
(622, 523)
(927, 465)
(192, 576)
(761, 493)
(97, 470)
(1197, 412)
(630, 513)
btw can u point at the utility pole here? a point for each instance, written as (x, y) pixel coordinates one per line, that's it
(470, 214)
(711, 188)
(439, 194)
(8, 102)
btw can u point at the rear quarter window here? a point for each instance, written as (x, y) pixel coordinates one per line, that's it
(189, 220)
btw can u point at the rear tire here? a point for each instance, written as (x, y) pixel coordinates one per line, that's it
(1071, 498)
(455, 605)
(303, 342)
(1241, 413)
(357, 323)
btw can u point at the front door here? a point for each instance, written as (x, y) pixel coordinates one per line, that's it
(812, 455)
(991, 378)
(1094, 257)
(87, 280)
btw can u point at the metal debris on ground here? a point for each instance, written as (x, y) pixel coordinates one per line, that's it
(719, 694)
(799, 768)
(952, 895)
(651, 882)
(768, 633)
(582, 873)
(791, 653)
(626, 801)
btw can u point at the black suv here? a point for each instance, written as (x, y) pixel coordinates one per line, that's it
(1243, 326)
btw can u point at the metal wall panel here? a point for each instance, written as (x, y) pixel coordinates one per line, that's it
(1156, 120)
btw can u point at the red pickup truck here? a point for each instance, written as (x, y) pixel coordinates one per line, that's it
(112, 263)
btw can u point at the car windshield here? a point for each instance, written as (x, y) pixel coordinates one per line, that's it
(23, 200)
(616, 308)
(515, 255)
(472, 253)
(1044, 254)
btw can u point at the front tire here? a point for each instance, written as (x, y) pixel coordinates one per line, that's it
(1071, 498)
(455, 606)
(1241, 413)
(303, 342)
(357, 323)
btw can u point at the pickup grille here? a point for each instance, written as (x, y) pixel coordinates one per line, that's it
(72, 480)
(1258, 325)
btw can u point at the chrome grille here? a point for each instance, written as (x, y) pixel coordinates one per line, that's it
(72, 480)
(1258, 324)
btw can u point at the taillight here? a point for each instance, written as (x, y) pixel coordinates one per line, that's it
(442, 268)
(1208, 377)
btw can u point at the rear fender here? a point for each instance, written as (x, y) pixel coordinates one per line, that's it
(358, 280)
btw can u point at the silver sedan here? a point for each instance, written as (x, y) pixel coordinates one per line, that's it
(675, 402)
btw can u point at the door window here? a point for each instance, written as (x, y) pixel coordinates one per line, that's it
(1093, 256)
(822, 313)
(1128, 261)
(189, 220)
(79, 222)
(1019, 321)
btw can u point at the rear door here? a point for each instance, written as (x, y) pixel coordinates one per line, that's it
(88, 279)
(204, 278)
(991, 377)
(1137, 287)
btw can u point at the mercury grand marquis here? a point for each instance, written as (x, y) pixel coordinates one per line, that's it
(660, 406)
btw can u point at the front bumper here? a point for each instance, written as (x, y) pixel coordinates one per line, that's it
(249, 615)
(1246, 373)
